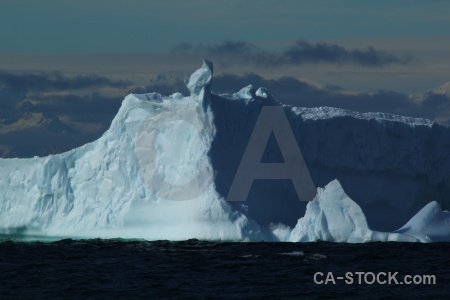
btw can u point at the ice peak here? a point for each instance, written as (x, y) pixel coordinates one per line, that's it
(420, 98)
(247, 93)
(200, 79)
(443, 89)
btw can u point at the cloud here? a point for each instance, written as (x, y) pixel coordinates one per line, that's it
(301, 52)
(305, 52)
(56, 81)
(8, 99)
(226, 47)
(93, 107)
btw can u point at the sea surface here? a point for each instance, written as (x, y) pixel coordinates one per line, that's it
(131, 269)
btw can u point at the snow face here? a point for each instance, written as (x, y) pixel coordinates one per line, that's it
(160, 170)
(332, 216)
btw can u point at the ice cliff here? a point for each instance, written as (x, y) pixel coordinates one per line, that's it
(392, 166)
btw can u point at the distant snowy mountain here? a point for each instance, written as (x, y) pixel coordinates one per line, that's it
(164, 168)
(442, 91)
(49, 134)
(36, 121)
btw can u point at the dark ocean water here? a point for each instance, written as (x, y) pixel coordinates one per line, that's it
(104, 269)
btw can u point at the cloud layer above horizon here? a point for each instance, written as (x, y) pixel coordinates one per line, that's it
(301, 52)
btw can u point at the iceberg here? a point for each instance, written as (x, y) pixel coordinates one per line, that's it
(163, 168)
(402, 161)
(333, 216)
(430, 224)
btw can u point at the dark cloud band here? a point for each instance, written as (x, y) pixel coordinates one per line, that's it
(302, 52)
(56, 81)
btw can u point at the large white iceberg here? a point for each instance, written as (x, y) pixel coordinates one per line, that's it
(151, 176)
(125, 184)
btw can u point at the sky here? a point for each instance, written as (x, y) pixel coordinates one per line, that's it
(63, 58)
(142, 26)
(154, 28)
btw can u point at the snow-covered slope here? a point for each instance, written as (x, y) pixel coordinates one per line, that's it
(442, 91)
(152, 175)
(430, 224)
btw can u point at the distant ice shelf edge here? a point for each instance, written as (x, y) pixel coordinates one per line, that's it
(108, 189)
